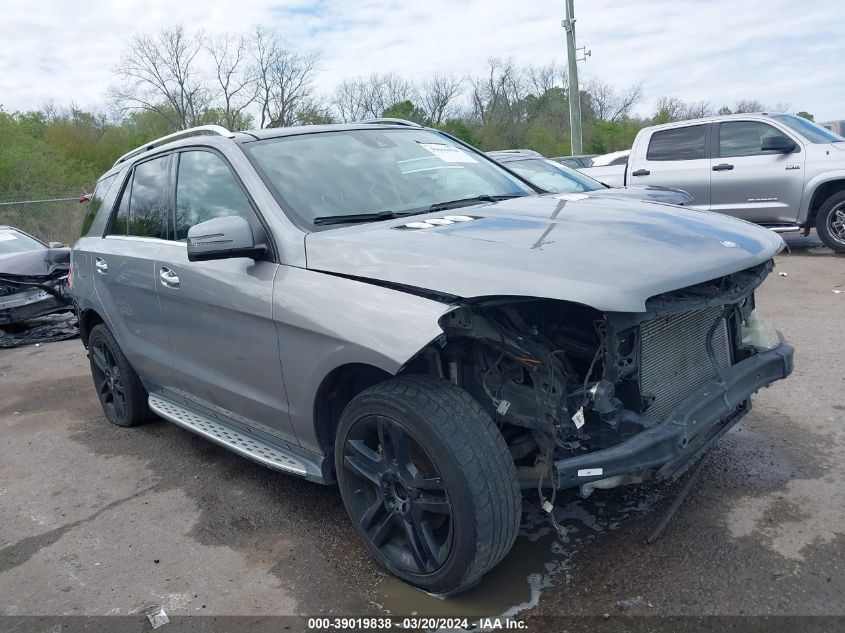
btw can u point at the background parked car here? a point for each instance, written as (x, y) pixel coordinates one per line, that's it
(778, 170)
(613, 158)
(553, 177)
(576, 162)
(33, 277)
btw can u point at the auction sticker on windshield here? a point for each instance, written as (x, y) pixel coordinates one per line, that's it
(448, 153)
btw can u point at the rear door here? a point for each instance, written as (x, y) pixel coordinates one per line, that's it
(675, 157)
(751, 184)
(218, 314)
(124, 268)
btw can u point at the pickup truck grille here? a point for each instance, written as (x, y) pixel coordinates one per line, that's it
(673, 356)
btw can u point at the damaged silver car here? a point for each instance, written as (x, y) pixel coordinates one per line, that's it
(33, 277)
(380, 306)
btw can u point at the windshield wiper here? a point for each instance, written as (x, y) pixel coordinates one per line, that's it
(389, 215)
(356, 217)
(463, 202)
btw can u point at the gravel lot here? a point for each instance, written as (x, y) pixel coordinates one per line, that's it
(98, 520)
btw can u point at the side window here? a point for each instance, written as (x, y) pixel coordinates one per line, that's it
(206, 189)
(147, 205)
(120, 221)
(96, 202)
(744, 138)
(622, 160)
(681, 143)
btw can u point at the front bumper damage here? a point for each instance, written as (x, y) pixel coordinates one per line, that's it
(666, 449)
(34, 302)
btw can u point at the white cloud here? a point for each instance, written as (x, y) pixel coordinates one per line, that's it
(720, 51)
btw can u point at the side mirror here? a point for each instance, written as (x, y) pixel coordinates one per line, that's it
(778, 143)
(222, 238)
(56, 245)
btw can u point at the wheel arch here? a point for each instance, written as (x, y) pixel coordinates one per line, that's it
(821, 192)
(88, 319)
(337, 390)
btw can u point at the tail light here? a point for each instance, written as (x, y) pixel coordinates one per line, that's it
(70, 273)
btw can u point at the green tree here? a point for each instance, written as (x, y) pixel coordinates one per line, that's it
(405, 110)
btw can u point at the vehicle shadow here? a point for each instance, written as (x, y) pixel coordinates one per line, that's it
(799, 245)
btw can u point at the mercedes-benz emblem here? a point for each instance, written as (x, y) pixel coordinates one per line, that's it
(728, 244)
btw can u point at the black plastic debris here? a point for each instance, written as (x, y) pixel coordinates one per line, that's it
(44, 329)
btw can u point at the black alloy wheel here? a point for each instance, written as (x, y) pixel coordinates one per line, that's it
(400, 499)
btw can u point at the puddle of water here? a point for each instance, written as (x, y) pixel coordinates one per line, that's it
(540, 558)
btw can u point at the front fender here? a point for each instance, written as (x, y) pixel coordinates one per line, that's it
(325, 321)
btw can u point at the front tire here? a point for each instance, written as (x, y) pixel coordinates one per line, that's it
(428, 482)
(830, 222)
(119, 388)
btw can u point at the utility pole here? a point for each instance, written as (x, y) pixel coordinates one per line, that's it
(574, 95)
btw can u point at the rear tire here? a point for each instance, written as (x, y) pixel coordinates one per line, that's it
(428, 482)
(830, 222)
(119, 388)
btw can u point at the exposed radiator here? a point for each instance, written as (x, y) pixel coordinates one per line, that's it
(673, 356)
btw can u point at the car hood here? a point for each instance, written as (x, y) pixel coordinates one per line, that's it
(652, 193)
(44, 262)
(608, 254)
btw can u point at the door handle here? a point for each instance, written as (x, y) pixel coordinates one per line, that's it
(641, 172)
(168, 278)
(723, 167)
(101, 265)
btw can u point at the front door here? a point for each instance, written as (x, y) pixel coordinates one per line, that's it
(218, 314)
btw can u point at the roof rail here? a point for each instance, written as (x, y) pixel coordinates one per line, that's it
(391, 120)
(193, 131)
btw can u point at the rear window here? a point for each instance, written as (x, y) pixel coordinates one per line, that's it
(96, 202)
(682, 143)
(553, 178)
(141, 211)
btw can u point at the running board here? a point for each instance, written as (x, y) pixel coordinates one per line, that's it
(788, 228)
(248, 446)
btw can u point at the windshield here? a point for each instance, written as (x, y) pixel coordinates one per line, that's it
(552, 176)
(12, 241)
(372, 171)
(809, 130)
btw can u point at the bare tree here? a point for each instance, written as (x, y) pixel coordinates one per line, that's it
(541, 79)
(437, 96)
(234, 79)
(349, 100)
(609, 105)
(498, 92)
(369, 97)
(749, 105)
(284, 79)
(669, 109)
(390, 89)
(698, 109)
(161, 74)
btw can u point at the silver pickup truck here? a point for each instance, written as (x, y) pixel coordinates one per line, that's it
(776, 170)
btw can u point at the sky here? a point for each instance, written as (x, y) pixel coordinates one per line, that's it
(775, 51)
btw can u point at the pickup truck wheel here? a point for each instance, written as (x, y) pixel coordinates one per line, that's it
(830, 222)
(428, 482)
(119, 388)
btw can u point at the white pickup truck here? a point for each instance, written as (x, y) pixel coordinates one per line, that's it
(776, 170)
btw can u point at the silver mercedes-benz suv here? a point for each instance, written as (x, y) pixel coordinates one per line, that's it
(381, 306)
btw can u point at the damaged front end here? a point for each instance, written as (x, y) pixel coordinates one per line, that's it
(595, 400)
(31, 289)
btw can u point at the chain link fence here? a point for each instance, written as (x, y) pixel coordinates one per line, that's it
(50, 219)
